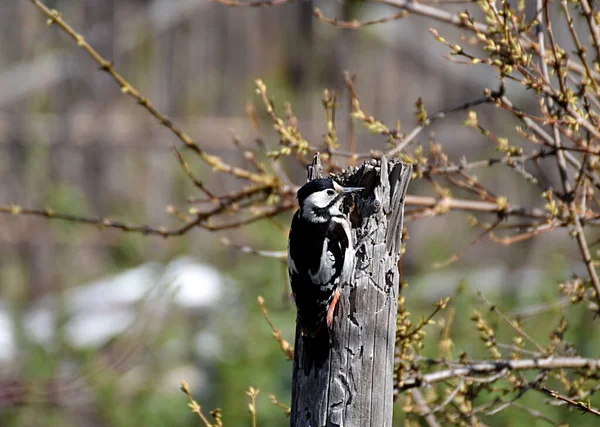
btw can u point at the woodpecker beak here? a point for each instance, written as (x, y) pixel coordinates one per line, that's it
(341, 189)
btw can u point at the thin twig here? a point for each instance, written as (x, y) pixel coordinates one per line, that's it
(425, 412)
(285, 346)
(482, 368)
(253, 251)
(102, 222)
(196, 409)
(258, 3)
(579, 405)
(435, 117)
(356, 24)
(587, 258)
(513, 324)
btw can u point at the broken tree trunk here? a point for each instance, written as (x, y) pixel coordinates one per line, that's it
(353, 387)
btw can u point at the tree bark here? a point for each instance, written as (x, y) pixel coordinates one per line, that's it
(354, 385)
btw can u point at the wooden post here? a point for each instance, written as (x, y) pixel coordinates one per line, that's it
(354, 386)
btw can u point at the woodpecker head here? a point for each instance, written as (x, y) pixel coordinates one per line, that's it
(322, 198)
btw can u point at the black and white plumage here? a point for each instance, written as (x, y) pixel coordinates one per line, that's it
(320, 252)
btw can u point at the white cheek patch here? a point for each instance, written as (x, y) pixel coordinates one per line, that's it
(319, 199)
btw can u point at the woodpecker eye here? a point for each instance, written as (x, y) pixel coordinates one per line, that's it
(331, 192)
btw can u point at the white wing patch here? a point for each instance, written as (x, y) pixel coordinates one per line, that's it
(326, 269)
(348, 267)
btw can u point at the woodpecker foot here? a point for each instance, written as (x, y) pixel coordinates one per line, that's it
(330, 311)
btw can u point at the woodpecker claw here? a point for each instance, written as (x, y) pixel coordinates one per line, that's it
(331, 310)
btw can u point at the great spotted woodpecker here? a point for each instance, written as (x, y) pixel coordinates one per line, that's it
(320, 252)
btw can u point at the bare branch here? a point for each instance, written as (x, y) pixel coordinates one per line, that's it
(285, 346)
(355, 24)
(581, 406)
(473, 369)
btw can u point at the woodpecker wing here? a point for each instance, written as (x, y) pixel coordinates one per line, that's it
(317, 263)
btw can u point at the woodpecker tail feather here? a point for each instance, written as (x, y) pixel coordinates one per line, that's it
(316, 350)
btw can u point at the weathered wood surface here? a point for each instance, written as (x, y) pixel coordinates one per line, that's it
(354, 385)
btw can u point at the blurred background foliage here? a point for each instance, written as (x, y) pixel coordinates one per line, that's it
(69, 140)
